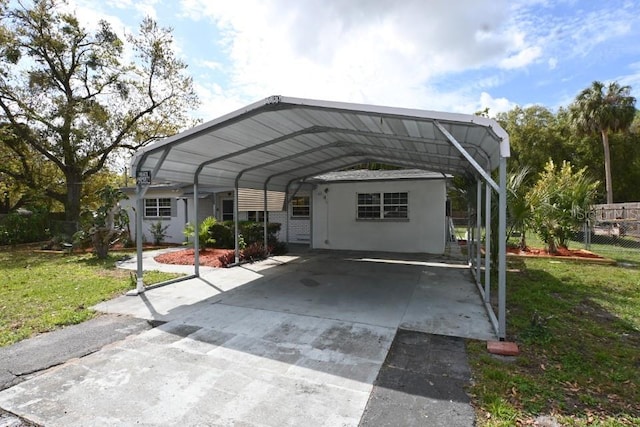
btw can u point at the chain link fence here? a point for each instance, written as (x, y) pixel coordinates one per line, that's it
(612, 228)
(609, 229)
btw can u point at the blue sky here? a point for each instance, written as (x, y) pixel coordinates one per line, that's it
(449, 55)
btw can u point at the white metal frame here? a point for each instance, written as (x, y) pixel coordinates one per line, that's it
(274, 143)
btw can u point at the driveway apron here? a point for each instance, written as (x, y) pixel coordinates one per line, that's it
(295, 341)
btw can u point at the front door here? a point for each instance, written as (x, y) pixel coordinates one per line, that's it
(227, 210)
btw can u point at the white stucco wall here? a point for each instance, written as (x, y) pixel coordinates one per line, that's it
(177, 221)
(335, 225)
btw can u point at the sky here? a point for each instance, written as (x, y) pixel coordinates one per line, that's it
(446, 55)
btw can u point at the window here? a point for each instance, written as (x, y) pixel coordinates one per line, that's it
(157, 208)
(396, 205)
(383, 205)
(227, 210)
(300, 207)
(256, 216)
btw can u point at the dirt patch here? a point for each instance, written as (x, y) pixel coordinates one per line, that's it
(208, 257)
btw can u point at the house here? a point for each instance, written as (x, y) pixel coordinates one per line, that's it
(391, 210)
(173, 207)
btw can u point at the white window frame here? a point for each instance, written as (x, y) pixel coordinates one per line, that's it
(379, 206)
(159, 210)
(307, 206)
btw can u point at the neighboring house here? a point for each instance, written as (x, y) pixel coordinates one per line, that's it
(390, 210)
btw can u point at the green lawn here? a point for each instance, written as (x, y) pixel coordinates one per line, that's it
(578, 329)
(43, 291)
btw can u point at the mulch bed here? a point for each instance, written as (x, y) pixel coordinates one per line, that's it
(208, 257)
(562, 252)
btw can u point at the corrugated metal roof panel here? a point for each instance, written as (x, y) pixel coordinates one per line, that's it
(280, 140)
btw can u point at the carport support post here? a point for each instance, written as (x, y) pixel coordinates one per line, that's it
(236, 222)
(479, 229)
(469, 241)
(502, 251)
(265, 217)
(286, 209)
(487, 244)
(140, 192)
(196, 228)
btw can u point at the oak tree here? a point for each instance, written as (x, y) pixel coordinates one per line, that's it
(75, 97)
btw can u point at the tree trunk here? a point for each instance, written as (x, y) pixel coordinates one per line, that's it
(74, 194)
(607, 166)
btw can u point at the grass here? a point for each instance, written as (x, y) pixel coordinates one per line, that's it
(40, 292)
(578, 329)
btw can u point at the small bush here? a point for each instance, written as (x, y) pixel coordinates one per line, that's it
(558, 201)
(24, 227)
(205, 237)
(223, 235)
(254, 231)
(159, 232)
(279, 248)
(254, 252)
(227, 259)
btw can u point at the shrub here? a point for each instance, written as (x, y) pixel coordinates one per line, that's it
(25, 226)
(205, 236)
(108, 222)
(254, 252)
(227, 259)
(159, 232)
(223, 236)
(279, 248)
(559, 200)
(254, 232)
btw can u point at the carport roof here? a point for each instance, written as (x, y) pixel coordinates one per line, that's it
(279, 140)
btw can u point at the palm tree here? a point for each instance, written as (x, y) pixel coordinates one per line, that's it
(602, 109)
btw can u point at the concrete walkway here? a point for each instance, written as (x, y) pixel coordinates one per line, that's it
(297, 340)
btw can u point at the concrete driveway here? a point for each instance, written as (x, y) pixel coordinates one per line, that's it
(296, 340)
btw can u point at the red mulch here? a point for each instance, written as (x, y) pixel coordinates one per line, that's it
(208, 257)
(562, 252)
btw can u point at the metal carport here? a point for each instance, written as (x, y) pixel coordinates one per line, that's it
(279, 141)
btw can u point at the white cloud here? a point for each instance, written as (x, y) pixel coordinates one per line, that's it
(434, 54)
(495, 105)
(212, 65)
(374, 51)
(143, 7)
(522, 58)
(632, 79)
